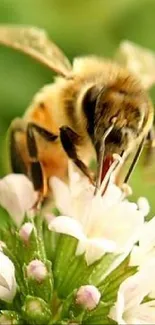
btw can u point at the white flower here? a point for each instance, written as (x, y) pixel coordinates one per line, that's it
(101, 223)
(17, 196)
(7, 279)
(145, 250)
(6, 320)
(129, 307)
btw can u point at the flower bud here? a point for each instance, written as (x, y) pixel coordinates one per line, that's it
(4, 320)
(88, 296)
(25, 231)
(35, 307)
(36, 270)
(9, 317)
(36, 310)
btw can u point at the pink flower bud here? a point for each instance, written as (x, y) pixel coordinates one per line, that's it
(36, 270)
(25, 231)
(88, 296)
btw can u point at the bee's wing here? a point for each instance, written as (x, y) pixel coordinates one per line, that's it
(34, 42)
(138, 60)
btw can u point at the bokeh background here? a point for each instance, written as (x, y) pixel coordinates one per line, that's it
(78, 27)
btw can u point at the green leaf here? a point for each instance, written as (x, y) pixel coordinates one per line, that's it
(100, 268)
(77, 275)
(99, 315)
(56, 211)
(51, 239)
(110, 285)
(66, 249)
(22, 254)
(25, 252)
(70, 310)
(3, 304)
(70, 271)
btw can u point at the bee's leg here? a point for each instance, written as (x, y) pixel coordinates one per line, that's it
(16, 137)
(45, 134)
(70, 140)
(36, 169)
(135, 160)
(150, 147)
(18, 145)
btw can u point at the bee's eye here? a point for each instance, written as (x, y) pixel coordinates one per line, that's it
(114, 137)
(89, 103)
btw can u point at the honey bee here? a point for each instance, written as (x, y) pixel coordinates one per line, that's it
(92, 109)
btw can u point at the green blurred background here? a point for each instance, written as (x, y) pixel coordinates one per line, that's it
(78, 27)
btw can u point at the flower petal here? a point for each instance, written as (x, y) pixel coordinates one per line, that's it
(120, 222)
(96, 248)
(77, 180)
(116, 312)
(145, 251)
(61, 195)
(123, 225)
(143, 205)
(143, 314)
(7, 278)
(128, 309)
(81, 192)
(68, 226)
(147, 237)
(6, 294)
(97, 218)
(6, 270)
(137, 256)
(17, 196)
(112, 195)
(136, 287)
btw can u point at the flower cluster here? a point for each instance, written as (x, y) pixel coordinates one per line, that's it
(93, 263)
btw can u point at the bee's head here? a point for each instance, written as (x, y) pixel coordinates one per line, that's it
(116, 117)
(127, 113)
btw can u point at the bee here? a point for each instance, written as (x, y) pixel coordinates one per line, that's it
(92, 109)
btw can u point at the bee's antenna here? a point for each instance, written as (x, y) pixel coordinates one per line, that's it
(135, 160)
